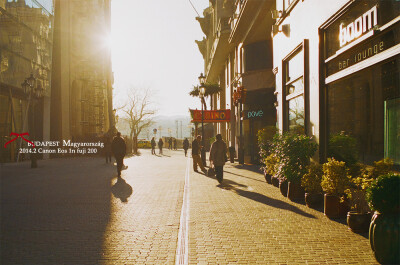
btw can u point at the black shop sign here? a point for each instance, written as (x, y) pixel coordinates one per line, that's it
(365, 50)
(358, 20)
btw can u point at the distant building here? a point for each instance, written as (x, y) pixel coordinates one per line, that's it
(82, 76)
(26, 41)
(237, 55)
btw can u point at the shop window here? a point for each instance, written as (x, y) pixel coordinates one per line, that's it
(392, 130)
(366, 105)
(294, 91)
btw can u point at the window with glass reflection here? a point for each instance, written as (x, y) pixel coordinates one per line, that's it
(294, 91)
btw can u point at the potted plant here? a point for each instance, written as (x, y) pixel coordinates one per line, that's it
(384, 233)
(335, 181)
(294, 152)
(270, 163)
(359, 217)
(311, 182)
(264, 138)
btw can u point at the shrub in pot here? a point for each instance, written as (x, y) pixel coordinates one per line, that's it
(384, 233)
(294, 152)
(283, 186)
(270, 163)
(264, 138)
(311, 182)
(334, 182)
(359, 216)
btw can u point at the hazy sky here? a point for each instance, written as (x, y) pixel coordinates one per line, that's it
(153, 46)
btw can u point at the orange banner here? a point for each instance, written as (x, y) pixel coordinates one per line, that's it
(211, 115)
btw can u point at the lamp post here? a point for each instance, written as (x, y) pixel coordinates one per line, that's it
(32, 92)
(202, 80)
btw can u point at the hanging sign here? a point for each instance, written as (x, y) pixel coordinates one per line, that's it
(211, 115)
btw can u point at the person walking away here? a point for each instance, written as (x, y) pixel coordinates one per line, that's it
(175, 144)
(218, 157)
(160, 145)
(196, 147)
(107, 148)
(153, 146)
(185, 145)
(170, 143)
(118, 147)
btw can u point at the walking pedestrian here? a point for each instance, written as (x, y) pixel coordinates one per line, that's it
(160, 145)
(185, 145)
(153, 146)
(170, 143)
(118, 147)
(218, 157)
(175, 144)
(196, 147)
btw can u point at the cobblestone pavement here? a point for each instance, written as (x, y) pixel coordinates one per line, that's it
(247, 221)
(75, 211)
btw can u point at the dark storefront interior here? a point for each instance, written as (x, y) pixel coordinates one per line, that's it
(366, 105)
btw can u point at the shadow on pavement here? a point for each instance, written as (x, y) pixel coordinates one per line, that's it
(121, 190)
(243, 176)
(55, 214)
(254, 168)
(263, 199)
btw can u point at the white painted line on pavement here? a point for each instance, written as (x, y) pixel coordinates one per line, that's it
(182, 251)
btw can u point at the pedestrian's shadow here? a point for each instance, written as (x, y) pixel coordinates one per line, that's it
(121, 190)
(226, 184)
(243, 176)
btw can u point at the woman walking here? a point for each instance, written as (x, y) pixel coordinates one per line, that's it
(160, 145)
(153, 146)
(218, 157)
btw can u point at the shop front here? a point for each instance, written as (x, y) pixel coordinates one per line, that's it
(360, 58)
(259, 112)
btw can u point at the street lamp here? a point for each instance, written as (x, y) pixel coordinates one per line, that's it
(32, 92)
(202, 91)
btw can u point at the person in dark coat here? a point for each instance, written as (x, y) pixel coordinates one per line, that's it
(170, 143)
(175, 144)
(118, 147)
(196, 148)
(185, 145)
(160, 145)
(218, 157)
(153, 146)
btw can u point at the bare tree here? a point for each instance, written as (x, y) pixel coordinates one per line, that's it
(138, 113)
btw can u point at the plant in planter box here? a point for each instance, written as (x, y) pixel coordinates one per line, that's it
(270, 163)
(311, 182)
(294, 152)
(359, 217)
(384, 197)
(264, 138)
(335, 181)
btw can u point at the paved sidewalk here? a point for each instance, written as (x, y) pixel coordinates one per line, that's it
(247, 221)
(75, 211)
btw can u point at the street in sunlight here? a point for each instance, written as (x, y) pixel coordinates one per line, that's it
(76, 211)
